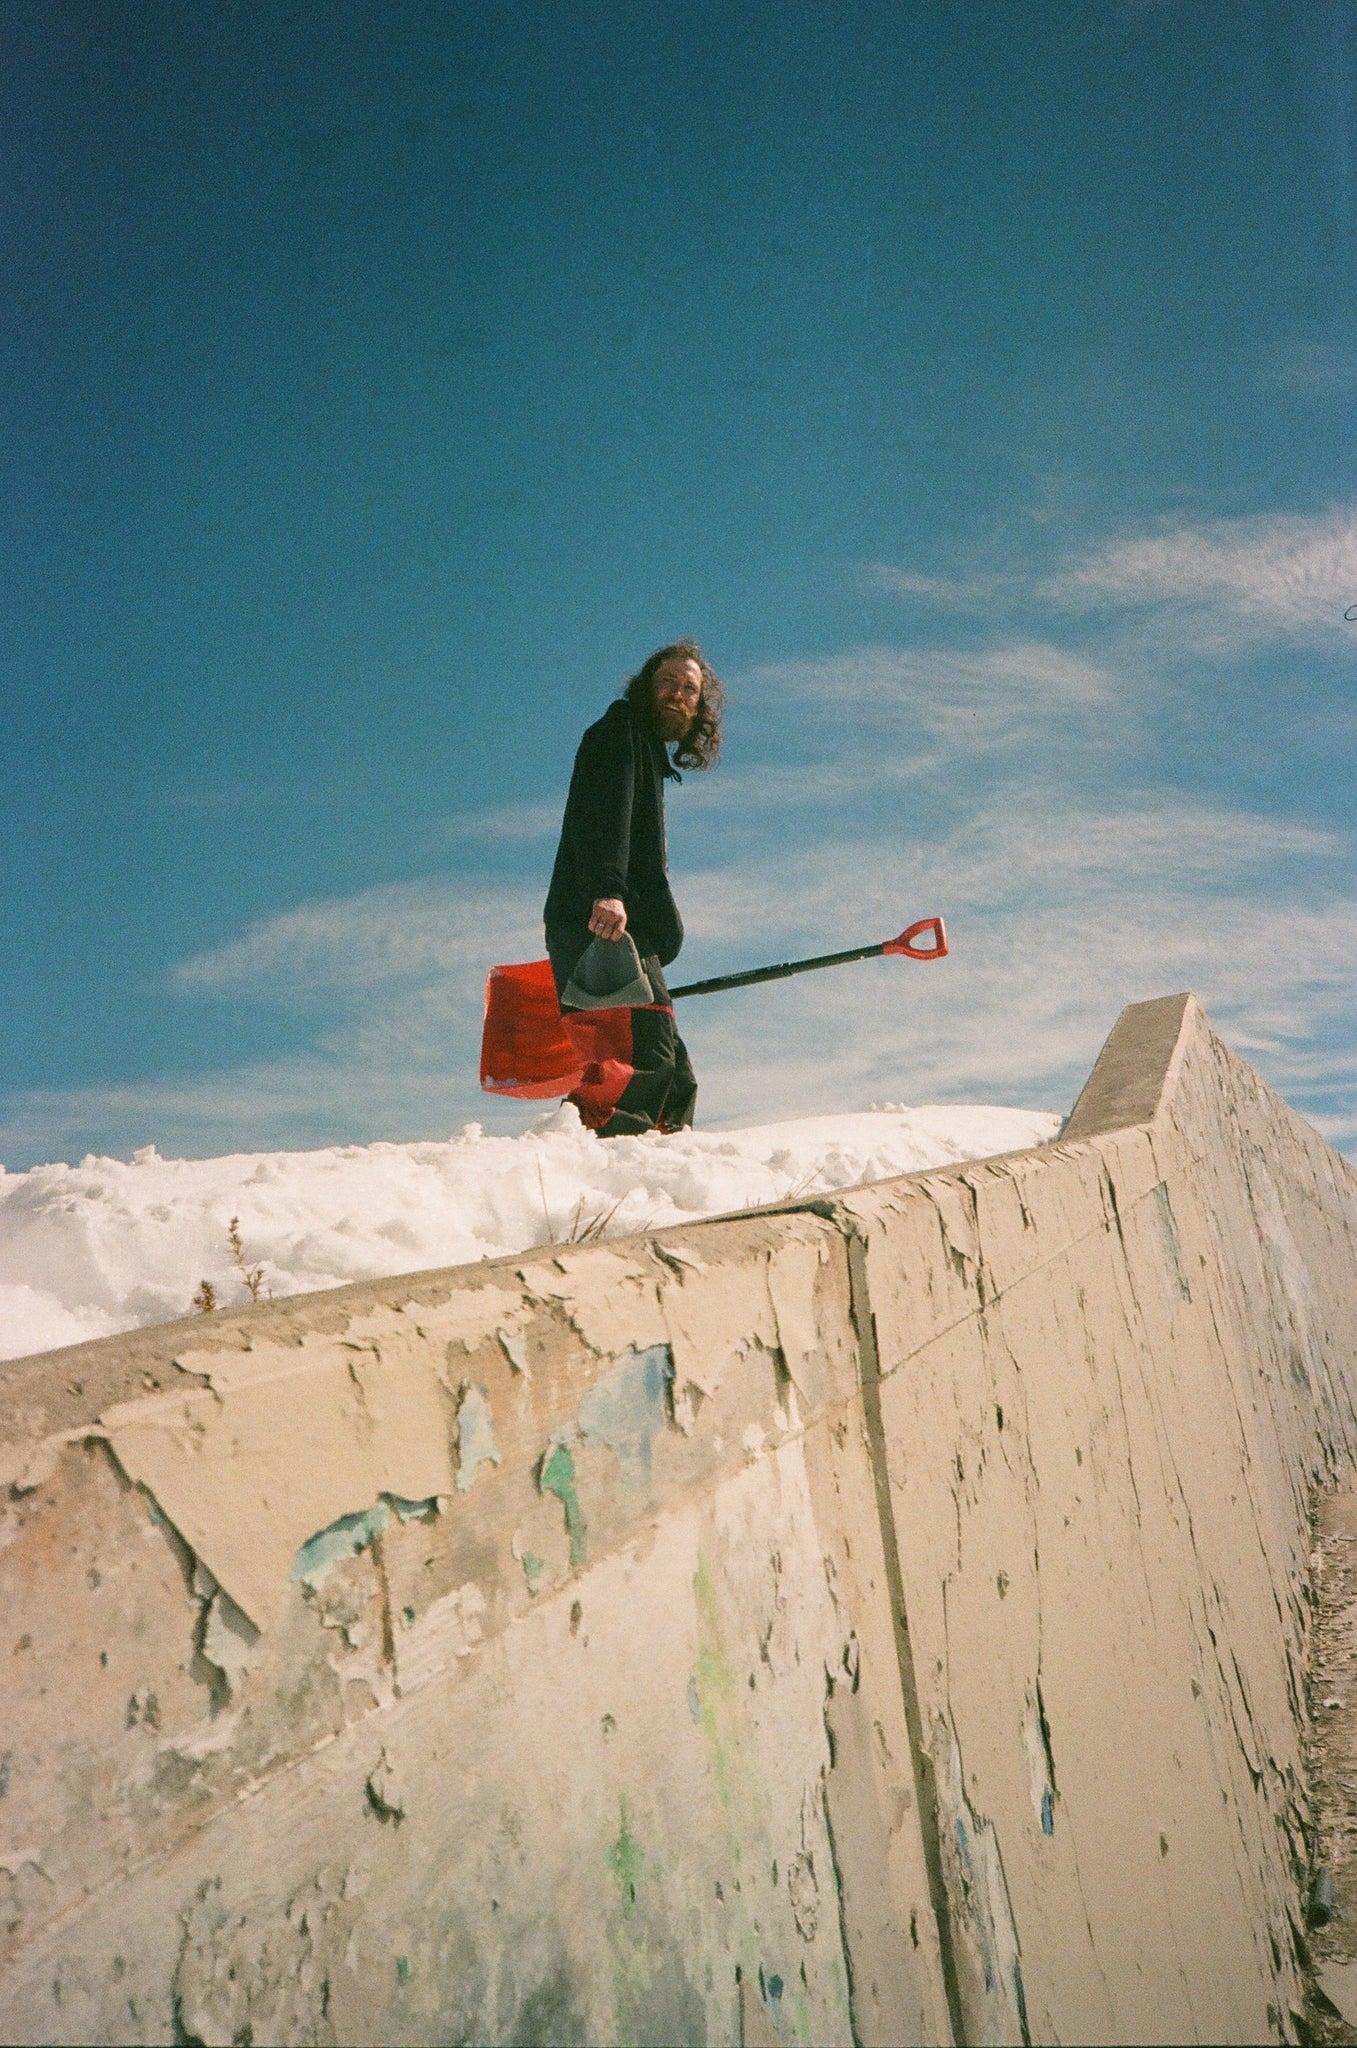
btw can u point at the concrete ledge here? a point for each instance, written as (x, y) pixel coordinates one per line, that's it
(1133, 1069)
(873, 1620)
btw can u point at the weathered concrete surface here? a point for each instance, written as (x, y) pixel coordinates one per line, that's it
(508, 1659)
(881, 1619)
(1111, 1373)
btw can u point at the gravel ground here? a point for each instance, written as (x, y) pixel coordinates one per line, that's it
(1331, 2006)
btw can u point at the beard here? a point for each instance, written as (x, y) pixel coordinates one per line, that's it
(674, 725)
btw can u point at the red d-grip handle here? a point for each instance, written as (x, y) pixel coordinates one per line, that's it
(905, 942)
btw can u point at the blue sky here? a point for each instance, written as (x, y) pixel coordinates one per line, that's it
(381, 383)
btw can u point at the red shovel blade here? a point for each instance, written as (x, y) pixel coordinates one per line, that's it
(524, 1047)
(905, 942)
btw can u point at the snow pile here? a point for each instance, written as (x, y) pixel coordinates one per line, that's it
(104, 1246)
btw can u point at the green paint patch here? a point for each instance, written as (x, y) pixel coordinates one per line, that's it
(713, 1691)
(402, 1969)
(722, 1715)
(556, 1474)
(533, 1568)
(627, 1865)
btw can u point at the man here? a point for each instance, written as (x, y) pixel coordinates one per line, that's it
(611, 879)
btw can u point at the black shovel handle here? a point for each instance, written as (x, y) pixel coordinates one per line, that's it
(904, 944)
(778, 973)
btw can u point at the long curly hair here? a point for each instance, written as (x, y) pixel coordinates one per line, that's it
(701, 743)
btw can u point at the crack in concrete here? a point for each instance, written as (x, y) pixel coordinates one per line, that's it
(925, 1790)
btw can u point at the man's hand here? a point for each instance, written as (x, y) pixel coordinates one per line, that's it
(609, 918)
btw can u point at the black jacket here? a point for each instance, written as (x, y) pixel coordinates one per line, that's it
(612, 835)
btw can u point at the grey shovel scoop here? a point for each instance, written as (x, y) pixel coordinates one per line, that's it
(608, 976)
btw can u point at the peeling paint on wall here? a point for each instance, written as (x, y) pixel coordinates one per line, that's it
(349, 1534)
(288, 1440)
(955, 1206)
(628, 1408)
(713, 1687)
(385, 1791)
(1040, 1768)
(611, 1299)
(556, 1474)
(627, 1865)
(476, 1444)
(228, 1638)
(982, 1910)
(515, 1349)
(1021, 1490)
(1288, 1272)
(344, 1538)
(533, 1566)
(1168, 1231)
(453, 1627)
(466, 1318)
(793, 1270)
(711, 1316)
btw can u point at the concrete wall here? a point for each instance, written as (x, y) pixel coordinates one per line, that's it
(877, 1619)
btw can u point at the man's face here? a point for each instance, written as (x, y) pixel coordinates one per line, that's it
(677, 684)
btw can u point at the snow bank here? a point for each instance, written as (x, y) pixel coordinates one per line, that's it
(105, 1246)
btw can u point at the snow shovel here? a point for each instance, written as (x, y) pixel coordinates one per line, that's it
(527, 1047)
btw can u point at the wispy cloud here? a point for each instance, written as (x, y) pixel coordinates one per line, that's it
(512, 824)
(1313, 368)
(397, 934)
(1230, 582)
(981, 701)
(1216, 586)
(1057, 919)
(1021, 859)
(1058, 915)
(821, 786)
(1136, 843)
(949, 593)
(1018, 1011)
(297, 1103)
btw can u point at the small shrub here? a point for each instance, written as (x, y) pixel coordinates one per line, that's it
(253, 1276)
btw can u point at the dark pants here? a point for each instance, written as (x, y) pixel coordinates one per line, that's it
(638, 1076)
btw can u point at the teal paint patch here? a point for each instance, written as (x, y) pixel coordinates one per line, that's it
(352, 1533)
(556, 1474)
(1168, 1231)
(344, 1538)
(412, 1510)
(627, 1865)
(770, 1984)
(533, 1568)
(629, 1407)
(476, 1444)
